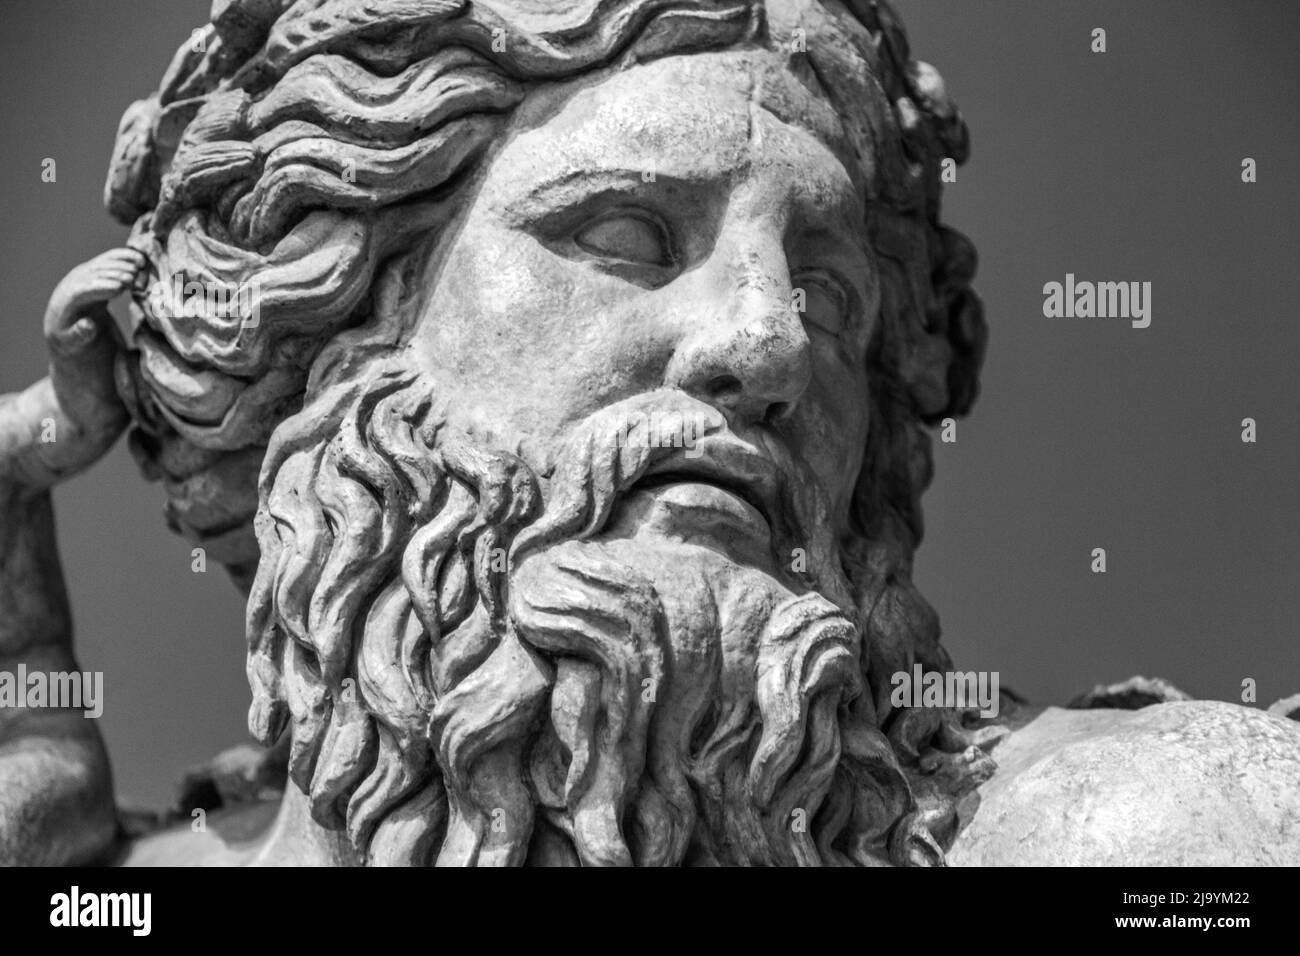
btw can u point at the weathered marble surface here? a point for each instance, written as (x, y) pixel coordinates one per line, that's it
(1192, 783)
(586, 352)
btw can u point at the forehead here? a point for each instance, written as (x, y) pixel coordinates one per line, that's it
(701, 117)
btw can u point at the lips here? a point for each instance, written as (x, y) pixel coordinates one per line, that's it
(725, 464)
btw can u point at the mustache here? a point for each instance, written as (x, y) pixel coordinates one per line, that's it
(668, 432)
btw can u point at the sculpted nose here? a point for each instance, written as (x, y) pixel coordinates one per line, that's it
(749, 355)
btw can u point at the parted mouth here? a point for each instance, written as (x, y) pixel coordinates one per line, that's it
(725, 463)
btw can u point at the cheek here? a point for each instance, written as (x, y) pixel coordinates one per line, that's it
(539, 341)
(829, 429)
(496, 305)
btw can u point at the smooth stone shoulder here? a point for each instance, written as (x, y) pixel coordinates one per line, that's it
(1191, 783)
(276, 832)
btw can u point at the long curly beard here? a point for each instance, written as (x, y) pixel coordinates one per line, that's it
(473, 679)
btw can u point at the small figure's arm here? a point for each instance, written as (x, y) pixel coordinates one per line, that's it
(56, 795)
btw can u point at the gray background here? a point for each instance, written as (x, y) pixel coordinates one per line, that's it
(1089, 433)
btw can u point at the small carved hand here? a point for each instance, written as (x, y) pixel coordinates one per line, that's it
(71, 317)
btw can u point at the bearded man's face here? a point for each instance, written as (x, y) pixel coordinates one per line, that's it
(676, 248)
(597, 612)
(695, 223)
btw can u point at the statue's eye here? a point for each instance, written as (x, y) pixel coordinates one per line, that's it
(825, 303)
(633, 237)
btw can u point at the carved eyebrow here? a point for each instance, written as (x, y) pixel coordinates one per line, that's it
(833, 220)
(579, 185)
(561, 199)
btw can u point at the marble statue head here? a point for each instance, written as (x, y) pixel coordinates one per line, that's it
(570, 436)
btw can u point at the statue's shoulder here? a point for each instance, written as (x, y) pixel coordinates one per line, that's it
(1187, 783)
(255, 832)
(221, 838)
